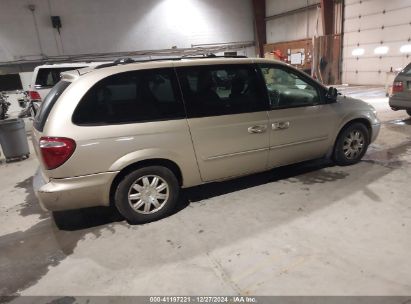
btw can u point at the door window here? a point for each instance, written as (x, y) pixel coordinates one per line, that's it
(221, 90)
(287, 89)
(137, 96)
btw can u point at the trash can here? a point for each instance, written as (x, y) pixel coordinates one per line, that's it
(13, 139)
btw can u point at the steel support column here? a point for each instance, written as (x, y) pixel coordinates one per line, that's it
(327, 12)
(260, 27)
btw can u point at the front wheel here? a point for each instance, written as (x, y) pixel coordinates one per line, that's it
(409, 112)
(147, 194)
(351, 145)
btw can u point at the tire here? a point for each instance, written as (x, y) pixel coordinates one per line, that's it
(409, 112)
(351, 144)
(152, 201)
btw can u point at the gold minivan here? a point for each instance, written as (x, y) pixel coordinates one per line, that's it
(131, 134)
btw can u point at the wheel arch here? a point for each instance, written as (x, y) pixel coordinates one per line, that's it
(171, 165)
(345, 125)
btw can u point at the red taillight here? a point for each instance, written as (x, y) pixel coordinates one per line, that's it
(34, 96)
(397, 87)
(55, 151)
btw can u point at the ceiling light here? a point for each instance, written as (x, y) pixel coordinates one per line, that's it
(406, 48)
(381, 50)
(358, 52)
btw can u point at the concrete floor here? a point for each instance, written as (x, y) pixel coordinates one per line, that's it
(311, 229)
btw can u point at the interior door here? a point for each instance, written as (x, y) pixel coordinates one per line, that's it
(300, 122)
(227, 117)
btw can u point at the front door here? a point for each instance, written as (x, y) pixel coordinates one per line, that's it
(301, 123)
(228, 121)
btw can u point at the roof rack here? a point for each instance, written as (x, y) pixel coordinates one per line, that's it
(128, 60)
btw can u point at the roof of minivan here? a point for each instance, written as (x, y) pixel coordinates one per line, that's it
(93, 75)
(144, 65)
(69, 64)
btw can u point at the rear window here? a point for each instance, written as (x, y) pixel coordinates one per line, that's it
(48, 104)
(48, 77)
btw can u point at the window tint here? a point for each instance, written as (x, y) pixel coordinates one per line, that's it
(137, 96)
(407, 70)
(48, 77)
(48, 103)
(221, 90)
(288, 89)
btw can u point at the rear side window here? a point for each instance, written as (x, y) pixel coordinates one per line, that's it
(221, 90)
(137, 96)
(48, 77)
(48, 104)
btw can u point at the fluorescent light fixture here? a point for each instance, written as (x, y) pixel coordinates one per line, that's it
(381, 50)
(358, 52)
(406, 48)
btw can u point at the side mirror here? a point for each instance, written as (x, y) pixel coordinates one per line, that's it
(332, 94)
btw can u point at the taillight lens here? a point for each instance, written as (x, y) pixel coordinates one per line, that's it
(34, 96)
(55, 151)
(397, 87)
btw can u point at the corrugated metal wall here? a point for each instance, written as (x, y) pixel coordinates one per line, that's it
(301, 25)
(377, 38)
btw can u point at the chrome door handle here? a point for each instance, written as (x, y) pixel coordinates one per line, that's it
(257, 129)
(280, 125)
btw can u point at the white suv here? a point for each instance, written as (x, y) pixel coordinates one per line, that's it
(46, 76)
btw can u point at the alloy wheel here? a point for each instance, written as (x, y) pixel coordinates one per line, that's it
(148, 194)
(354, 144)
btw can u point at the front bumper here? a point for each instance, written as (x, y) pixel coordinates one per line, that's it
(73, 193)
(375, 130)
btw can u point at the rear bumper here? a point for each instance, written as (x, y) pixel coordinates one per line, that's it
(73, 193)
(399, 103)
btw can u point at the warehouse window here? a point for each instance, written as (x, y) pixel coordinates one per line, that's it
(137, 96)
(221, 90)
(10, 82)
(287, 89)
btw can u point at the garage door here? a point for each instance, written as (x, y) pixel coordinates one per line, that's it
(377, 38)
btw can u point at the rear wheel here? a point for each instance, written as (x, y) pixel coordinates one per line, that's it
(351, 145)
(409, 112)
(147, 194)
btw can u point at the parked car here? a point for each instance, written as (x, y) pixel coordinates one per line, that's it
(132, 135)
(401, 91)
(45, 77)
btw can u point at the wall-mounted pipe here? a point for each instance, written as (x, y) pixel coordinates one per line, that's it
(32, 9)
